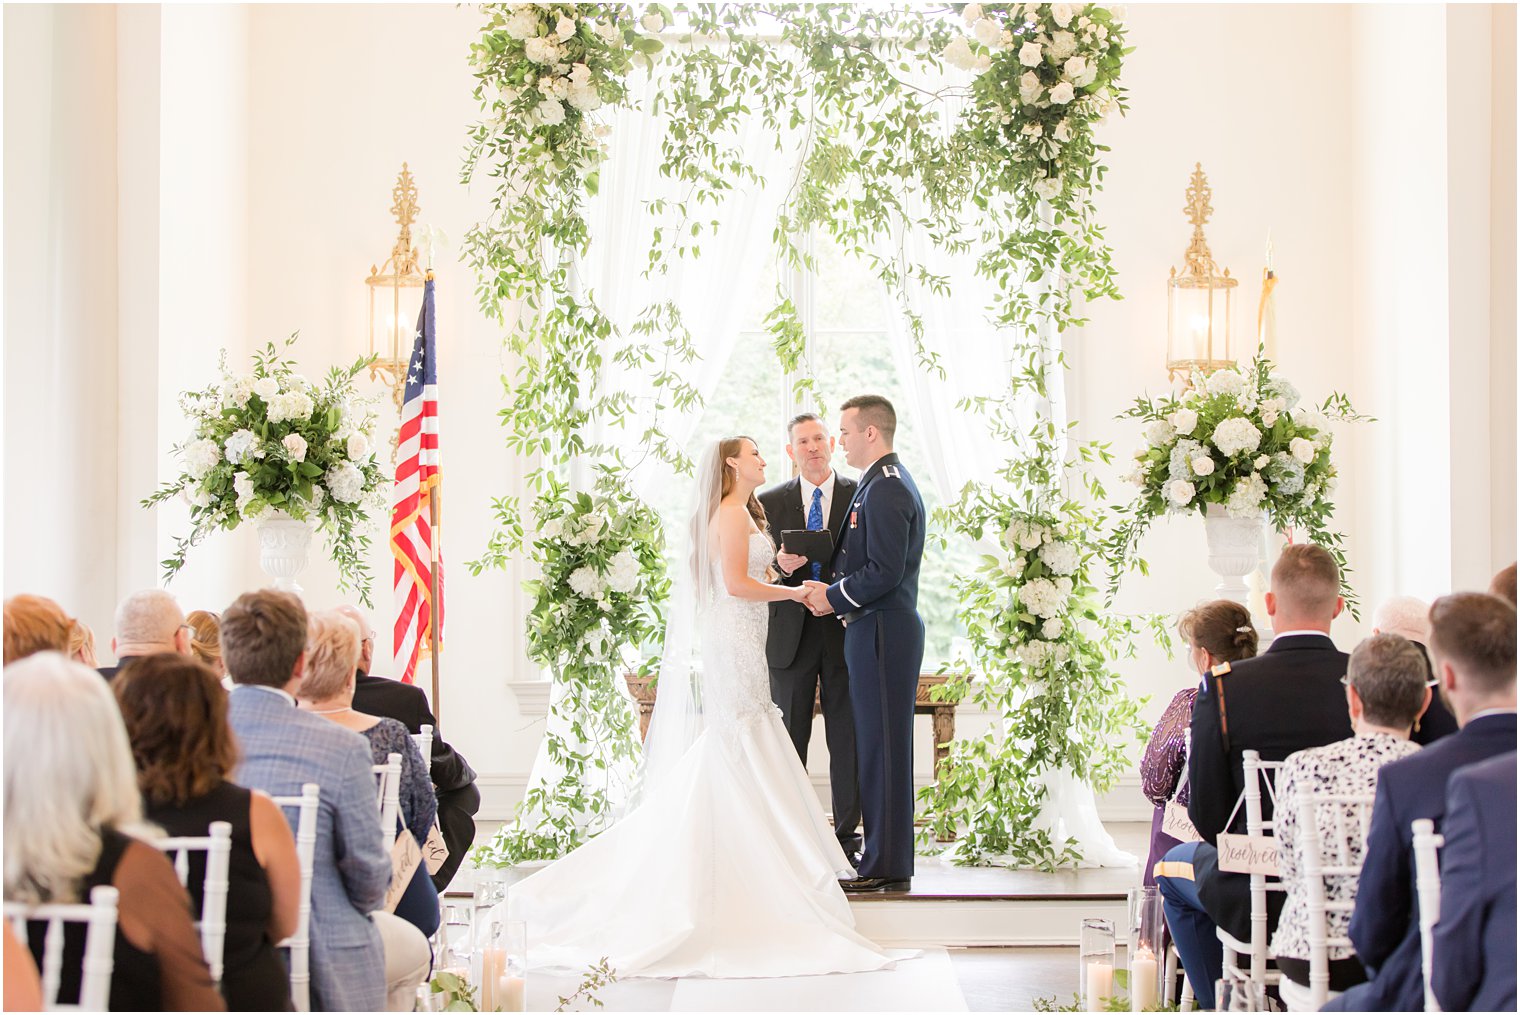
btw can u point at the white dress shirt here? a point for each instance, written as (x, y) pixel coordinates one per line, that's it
(807, 497)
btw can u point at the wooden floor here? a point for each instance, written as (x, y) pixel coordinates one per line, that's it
(1010, 979)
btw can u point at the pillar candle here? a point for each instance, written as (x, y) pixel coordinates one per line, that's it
(1100, 984)
(512, 994)
(1142, 980)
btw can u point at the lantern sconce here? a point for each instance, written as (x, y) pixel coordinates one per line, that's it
(395, 294)
(1199, 301)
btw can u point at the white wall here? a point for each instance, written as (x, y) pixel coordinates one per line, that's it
(254, 151)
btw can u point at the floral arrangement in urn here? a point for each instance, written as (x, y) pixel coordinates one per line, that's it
(1241, 443)
(272, 443)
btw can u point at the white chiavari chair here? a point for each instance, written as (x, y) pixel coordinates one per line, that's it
(1427, 886)
(299, 943)
(217, 845)
(99, 917)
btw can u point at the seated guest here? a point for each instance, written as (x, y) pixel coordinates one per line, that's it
(352, 969)
(1385, 692)
(1474, 945)
(206, 640)
(1409, 618)
(73, 820)
(327, 690)
(23, 987)
(176, 716)
(1472, 640)
(147, 622)
(1287, 699)
(453, 778)
(1503, 585)
(1217, 632)
(82, 644)
(34, 624)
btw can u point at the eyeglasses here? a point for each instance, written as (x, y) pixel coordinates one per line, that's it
(1346, 681)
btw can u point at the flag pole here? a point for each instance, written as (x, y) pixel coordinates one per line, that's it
(435, 520)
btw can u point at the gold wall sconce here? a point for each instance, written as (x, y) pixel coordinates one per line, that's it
(395, 294)
(1199, 300)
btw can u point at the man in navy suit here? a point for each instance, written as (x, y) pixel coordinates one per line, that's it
(1473, 967)
(1472, 640)
(876, 597)
(1287, 699)
(806, 652)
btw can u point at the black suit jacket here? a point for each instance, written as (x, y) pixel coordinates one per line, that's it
(783, 511)
(408, 705)
(1284, 700)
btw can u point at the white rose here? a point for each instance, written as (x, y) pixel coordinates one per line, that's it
(236, 392)
(1061, 14)
(542, 50)
(958, 53)
(607, 30)
(1159, 433)
(1062, 131)
(1202, 466)
(1062, 45)
(1261, 462)
(1236, 434)
(266, 388)
(1075, 68)
(983, 61)
(585, 99)
(1030, 54)
(357, 446)
(1180, 492)
(1048, 188)
(1183, 421)
(243, 484)
(652, 22)
(552, 529)
(564, 28)
(201, 457)
(200, 498)
(1062, 93)
(1030, 87)
(580, 75)
(1053, 627)
(549, 112)
(972, 13)
(1302, 449)
(295, 447)
(988, 33)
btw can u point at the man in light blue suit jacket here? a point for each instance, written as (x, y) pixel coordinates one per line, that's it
(1472, 640)
(1474, 956)
(263, 639)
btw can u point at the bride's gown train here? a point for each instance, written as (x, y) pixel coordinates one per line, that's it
(727, 868)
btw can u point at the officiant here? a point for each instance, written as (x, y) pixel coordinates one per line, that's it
(806, 653)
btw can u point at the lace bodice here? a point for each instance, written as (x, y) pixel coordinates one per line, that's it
(737, 685)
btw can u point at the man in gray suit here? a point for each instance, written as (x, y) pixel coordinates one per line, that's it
(264, 647)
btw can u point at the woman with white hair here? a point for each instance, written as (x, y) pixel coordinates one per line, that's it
(327, 689)
(73, 820)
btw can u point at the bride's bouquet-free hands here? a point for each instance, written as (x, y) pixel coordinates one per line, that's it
(815, 597)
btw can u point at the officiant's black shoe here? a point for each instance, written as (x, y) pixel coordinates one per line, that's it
(857, 885)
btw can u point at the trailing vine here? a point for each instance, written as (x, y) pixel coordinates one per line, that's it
(973, 126)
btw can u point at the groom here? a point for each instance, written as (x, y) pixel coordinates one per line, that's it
(876, 597)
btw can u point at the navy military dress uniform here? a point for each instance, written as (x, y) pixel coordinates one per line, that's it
(876, 597)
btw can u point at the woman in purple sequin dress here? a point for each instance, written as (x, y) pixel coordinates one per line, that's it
(1216, 632)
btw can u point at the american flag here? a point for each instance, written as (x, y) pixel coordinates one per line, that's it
(412, 532)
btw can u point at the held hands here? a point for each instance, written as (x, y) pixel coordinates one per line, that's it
(814, 597)
(790, 562)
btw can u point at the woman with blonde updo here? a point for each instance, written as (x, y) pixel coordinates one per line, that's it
(1216, 632)
(206, 640)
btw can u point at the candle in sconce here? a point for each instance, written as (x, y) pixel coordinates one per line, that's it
(1100, 984)
(1142, 980)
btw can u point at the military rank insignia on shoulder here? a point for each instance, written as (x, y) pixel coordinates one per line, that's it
(1221, 669)
(891, 471)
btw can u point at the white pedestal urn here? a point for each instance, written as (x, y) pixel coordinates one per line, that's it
(1234, 551)
(283, 545)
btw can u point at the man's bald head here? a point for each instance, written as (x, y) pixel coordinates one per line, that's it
(366, 635)
(147, 622)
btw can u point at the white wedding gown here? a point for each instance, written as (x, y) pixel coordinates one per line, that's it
(727, 868)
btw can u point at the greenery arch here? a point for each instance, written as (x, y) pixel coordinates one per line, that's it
(1022, 157)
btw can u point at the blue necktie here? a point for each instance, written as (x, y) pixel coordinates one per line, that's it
(815, 522)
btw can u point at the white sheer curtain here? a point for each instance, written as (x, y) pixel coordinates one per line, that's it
(707, 289)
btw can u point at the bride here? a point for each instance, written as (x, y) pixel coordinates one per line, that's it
(724, 865)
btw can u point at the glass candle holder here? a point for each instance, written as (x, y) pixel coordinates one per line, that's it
(1096, 963)
(1146, 948)
(501, 967)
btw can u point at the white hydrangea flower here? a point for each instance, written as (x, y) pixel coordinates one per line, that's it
(1245, 500)
(542, 50)
(1050, 187)
(266, 388)
(295, 447)
(1226, 382)
(317, 493)
(1053, 627)
(1062, 93)
(201, 457)
(623, 572)
(652, 22)
(1061, 557)
(290, 405)
(958, 53)
(1302, 449)
(1061, 14)
(1117, 13)
(1159, 433)
(1034, 654)
(1021, 534)
(972, 13)
(1030, 54)
(585, 582)
(1180, 492)
(1271, 408)
(346, 483)
(1203, 465)
(1235, 435)
(1043, 597)
(1062, 46)
(239, 444)
(1313, 419)
(522, 23)
(235, 393)
(988, 33)
(1183, 421)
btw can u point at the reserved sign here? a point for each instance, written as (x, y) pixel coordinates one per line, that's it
(1176, 823)
(1247, 854)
